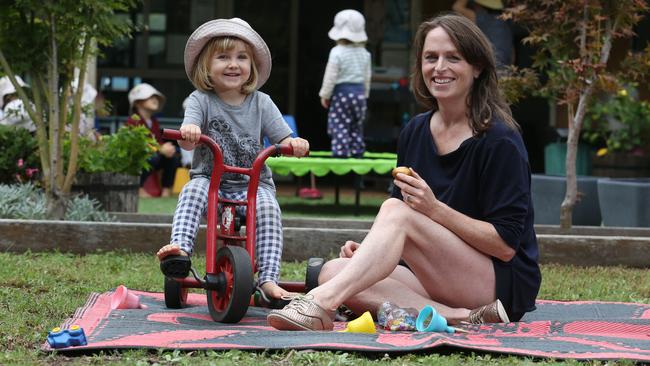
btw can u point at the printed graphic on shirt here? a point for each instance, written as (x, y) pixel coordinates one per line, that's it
(239, 149)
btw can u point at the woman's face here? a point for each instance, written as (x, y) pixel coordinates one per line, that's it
(446, 73)
(230, 69)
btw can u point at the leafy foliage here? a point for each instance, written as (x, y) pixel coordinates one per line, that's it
(574, 39)
(27, 202)
(621, 121)
(125, 151)
(83, 208)
(22, 201)
(50, 43)
(515, 83)
(18, 153)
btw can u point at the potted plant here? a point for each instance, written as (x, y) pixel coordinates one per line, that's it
(110, 167)
(620, 123)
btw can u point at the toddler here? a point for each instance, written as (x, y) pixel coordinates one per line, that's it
(346, 84)
(144, 101)
(227, 61)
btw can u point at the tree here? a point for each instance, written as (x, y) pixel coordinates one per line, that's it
(48, 41)
(574, 39)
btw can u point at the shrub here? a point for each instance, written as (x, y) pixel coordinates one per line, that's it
(125, 151)
(84, 208)
(18, 155)
(27, 202)
(621, 121)
(22, 201)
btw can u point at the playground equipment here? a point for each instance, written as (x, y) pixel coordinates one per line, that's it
(230, 257)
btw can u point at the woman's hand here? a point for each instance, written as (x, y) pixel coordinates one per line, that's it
(347, 250)
(416, 193)
(191, 133)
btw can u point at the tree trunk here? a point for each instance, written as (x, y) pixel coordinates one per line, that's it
(56, 205)
(575, 125)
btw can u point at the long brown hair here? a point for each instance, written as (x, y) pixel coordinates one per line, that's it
(484, 100)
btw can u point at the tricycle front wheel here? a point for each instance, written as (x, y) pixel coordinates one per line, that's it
(230, 303)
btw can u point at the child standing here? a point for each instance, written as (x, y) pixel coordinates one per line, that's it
(227, 61)
(144, 101)
(346, 84)
(12, 109)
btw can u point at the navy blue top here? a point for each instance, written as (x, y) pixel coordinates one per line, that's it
(486, 178)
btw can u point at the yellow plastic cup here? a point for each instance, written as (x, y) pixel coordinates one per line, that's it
(362, 324)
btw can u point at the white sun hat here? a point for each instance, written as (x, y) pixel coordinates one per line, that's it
(6, 87)
(145, 91)
(233, 27)
(349, 24)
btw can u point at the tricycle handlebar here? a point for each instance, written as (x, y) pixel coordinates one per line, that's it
(276, 149)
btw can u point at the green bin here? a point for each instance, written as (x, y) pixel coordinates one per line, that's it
(555, 159)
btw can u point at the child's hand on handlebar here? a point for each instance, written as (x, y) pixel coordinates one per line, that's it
(190, 133)
(300, 146)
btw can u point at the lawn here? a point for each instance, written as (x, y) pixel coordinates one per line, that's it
(293, 206)
(38, 291)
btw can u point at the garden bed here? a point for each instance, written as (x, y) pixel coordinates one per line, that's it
(304, 238)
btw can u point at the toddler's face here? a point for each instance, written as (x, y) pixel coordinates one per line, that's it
(230, 69)
(151, 104)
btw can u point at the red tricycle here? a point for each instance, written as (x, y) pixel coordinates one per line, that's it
(230, 266)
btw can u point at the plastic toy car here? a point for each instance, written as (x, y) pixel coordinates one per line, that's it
(61, 338)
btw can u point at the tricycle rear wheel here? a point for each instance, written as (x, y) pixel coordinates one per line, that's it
(314, 265)
(175, 294)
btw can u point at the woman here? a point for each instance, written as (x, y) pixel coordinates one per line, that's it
(463, 219)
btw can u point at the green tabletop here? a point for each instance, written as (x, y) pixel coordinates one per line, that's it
(320, 166)
(366, 155)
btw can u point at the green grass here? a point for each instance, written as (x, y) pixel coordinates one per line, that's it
(38, 291)
(291, 206)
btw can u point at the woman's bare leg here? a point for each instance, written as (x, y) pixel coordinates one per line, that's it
(448, 270)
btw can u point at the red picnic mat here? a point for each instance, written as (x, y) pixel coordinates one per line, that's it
(571, 330)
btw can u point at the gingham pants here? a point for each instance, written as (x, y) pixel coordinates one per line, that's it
(193, 203)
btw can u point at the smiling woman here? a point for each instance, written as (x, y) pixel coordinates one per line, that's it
(446, 73)
(466, 203)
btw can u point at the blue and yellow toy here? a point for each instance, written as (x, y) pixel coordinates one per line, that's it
(61, 338)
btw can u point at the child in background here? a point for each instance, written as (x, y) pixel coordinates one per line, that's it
(227, 61)
(12, 109)
(144, 101)
(346, 84)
